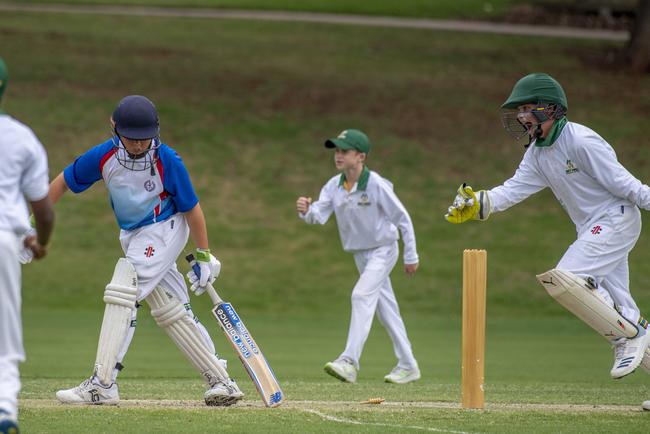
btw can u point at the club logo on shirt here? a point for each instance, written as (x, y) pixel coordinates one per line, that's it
(149, 185)
(570, 167)
(364, 200)
(149, 251)
(596, 230)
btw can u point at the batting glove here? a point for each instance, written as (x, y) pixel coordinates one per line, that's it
(209, 269)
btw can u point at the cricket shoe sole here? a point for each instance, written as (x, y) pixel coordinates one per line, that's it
(223, 395)
(402, 376)
(346, 373)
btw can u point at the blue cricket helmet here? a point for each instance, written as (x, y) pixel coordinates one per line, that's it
(136, 118)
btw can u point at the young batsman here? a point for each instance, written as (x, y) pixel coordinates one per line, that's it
(23, 178)
(368, 215)
(600, 196)
(157, 210)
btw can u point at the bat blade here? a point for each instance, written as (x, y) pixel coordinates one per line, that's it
(249, 353)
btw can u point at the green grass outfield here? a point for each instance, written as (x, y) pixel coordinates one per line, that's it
(248, 105)
(537, 380)
(405, 8)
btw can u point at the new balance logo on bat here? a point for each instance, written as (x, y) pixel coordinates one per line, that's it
(241, 328)
(275, 398)
(231, 330)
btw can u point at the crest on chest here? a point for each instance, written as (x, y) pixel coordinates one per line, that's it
(141, 181)
(364, 200)
(570, 167)
(150, 185)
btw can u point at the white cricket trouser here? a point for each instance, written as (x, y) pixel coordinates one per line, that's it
(374, 292)
(11, 332)
(153, 250)
(601, 252)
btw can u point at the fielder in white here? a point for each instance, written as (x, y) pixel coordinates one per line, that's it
(23, 176)
(600, 196)
(368, 215)
(157, 210)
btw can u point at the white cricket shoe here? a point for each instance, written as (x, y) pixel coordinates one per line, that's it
(8, 423)
(628, 353)
(223, 394)
(89, 392)
(402, 376)
(342, 369)
(645, 362)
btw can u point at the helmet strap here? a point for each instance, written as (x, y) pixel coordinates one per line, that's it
(536, 135)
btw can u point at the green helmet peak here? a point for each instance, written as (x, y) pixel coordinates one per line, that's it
(536, 88)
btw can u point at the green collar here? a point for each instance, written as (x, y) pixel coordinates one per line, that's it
(556, 129)
(362, 183)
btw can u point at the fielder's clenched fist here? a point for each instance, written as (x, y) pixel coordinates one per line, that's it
(302, 204)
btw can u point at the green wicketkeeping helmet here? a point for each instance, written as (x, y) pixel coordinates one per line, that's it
(3, 76)
(537, 88)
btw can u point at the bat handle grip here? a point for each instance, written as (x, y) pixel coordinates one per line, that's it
(209, 288)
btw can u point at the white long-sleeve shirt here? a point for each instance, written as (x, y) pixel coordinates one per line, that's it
(23, 174)
(367, 217)
(583, 172)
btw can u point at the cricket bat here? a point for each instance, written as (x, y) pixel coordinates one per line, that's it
(241, 340)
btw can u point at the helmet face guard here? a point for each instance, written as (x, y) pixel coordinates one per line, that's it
(517, 123)
(136, 162)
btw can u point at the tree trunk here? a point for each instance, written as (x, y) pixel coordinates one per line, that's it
(637, 51)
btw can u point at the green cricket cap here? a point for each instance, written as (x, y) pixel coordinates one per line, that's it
(534, 89)
(350, 139)
(4, 75)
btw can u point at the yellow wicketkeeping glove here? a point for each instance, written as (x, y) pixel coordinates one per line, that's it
(466, 206)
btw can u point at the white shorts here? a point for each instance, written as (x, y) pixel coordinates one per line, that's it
(601, 252)
(153, 250)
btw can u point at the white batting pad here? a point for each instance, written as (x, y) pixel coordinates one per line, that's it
(170, 314)
(120, 298)
(575, 294)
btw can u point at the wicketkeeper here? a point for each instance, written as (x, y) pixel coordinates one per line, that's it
(368, 215)
(157, 210)
(602, 199)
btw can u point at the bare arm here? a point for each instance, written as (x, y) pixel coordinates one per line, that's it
(198, 231)
(57, 188)
(44, 220)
